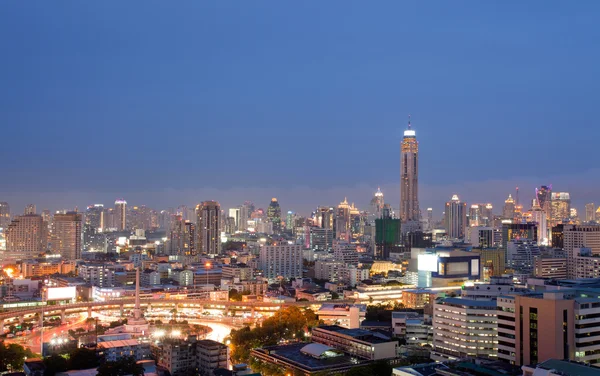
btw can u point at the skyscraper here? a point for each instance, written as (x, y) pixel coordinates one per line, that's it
(342, 221)
(509, 208)
(388, 236)
(4, 215)
(456, 218)
(66, 235)
(543, 195)
(209, 227)
(94, 216)
(121, 214)
(539, 216)
(590, 212)
(323, 217)
(274, 215)
(289, 221)
(377, 204)
(26, 234)
(235, 214)
(409, 176)
(560, 207)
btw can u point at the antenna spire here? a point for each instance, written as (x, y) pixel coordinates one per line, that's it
(408, 121)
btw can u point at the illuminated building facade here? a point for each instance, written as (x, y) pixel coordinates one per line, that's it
(409, 177)
(543, 195)
(26, 235)
(94, 216)
(560, 207)
(509, 208)
(590, 212)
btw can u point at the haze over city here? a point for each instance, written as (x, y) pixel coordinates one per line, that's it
(200, 100)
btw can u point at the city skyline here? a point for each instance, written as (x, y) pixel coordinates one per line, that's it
(77, 121)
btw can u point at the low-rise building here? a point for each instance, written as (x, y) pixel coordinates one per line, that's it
(185, 356)
(114, 350)
(358, 342)
(346, 315)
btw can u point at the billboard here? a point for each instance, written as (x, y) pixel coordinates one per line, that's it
(427, 262)
(61, 293)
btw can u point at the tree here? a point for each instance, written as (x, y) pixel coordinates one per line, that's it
(83, 358)
(123, 366)
(13, 356)
(235, 295)
(335, 295)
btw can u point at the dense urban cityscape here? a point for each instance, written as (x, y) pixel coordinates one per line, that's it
(315, 188)
(250, 290)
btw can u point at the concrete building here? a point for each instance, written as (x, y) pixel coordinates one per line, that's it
(586, 265)
(35, 268)
(4, 215)
(67, 236)
(492, 261)
(346, 315)
(208, 227)
(358, 342)
(240, 271)
(281, 261)
(26, 235)
(590, 212)
(186, 356)
(113, 351)
(521, 254)
(464, 328)
(580, 236)
(550, 267)
(417, 299)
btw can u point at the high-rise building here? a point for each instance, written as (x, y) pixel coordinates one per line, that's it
(409, 177)
(560, 207)
(539, 216)
(342, 221)
(67, 235)
(487, 215)
(584, 236)
(4, 215)
(475, 215)
(94, 216)
(456, 218)
(274, 215)
(30, 209)
(543, 195)
(377, 204)
(182, 237)
(512, 231)
(26, 234)
(245, 212)
(289, 221)
(235, 214)
(590, 212)
(120, 214)
(324, 217)
(509, 208)
(388, 235)
(281, 261)
(209, 227)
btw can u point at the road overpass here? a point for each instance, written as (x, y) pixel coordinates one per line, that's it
(21, 314)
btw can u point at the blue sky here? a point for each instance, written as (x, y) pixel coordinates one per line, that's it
(173, 103)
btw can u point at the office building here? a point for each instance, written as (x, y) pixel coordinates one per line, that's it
(512, 231)
(409, 177)
(342, 221)
(560, 207)
(274, 215)
(112, 351)
(182, 237)
(586, 265)
(464, 328)
(580, 236)
(377, 204)
(550, 267)
(281, 261)
(67, 236)
(4, 215)
(321, 238)
(209, 228)
(539, 216)
(536, 327)
(521, 253)
(492, 260)
(456, 218)
(26, 236)
(480, 237)
(324, 217)
(94, 217)
(235, 213)
(120, 215)
(590, 212)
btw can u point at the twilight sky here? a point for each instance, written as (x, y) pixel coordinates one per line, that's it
(169, 103)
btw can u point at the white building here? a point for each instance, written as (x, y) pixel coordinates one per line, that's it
(281, 261)
(584, 236)
(521, 253)
(347, 315)
(464, 328)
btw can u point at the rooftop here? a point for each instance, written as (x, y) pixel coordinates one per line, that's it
(471, 302)
(118, 343)
(342, 307)
(358, 334)
(569, 368)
